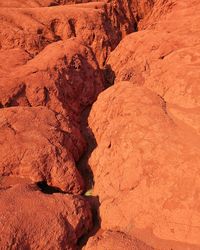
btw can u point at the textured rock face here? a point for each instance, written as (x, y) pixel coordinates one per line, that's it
(99, 25)
(64, 76)
(115, 240)
(44, 86)
(33, 28)
(147, 179)
(36, 3)
(164, 58)
(53, 64)
(30, 3)
(33, 220)
(125, 16)
(145, 168)
(38, 144)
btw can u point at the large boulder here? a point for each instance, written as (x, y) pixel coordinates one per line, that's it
(64, 76)
(146, 161)
(30, 219)
(145, 168)
(41, 145)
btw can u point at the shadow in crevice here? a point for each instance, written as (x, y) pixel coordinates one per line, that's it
(94, 203)
(108, 75)
(83, 164)
(87, 174)
(119, 21)
(45, 188)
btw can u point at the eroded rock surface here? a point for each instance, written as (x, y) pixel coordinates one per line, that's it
(64, 76)
(165, 58)
(100, 25)
(38, 144)
(145, 168)
(33, 220)
(53, 65)
(115, 240)
(147, 179)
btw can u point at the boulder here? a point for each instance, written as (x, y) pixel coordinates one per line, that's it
(115, 240)
(145, 168)
(31, 219)
(41, 145)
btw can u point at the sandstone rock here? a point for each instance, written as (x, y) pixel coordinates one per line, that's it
(53, 55)
(146, 161)
(32, 29)
(145, 168)
(165, 59)
(31, 3)
(115, 240)
(100, 25)
(64, 76)
(41, 145)
(125, 16)
(33, 220)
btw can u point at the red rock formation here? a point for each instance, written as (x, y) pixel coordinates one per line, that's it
(145, 168)
(33, 220)
(115, 240)
(53, 65)
(64, 76)
(165, 59)
(38, 144)
(32, 29)
(31, 3)
(100, 25)
(146, 161)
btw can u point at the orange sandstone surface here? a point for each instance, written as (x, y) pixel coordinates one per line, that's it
(100, 125)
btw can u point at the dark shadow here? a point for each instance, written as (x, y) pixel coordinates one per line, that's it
(94, 203)
(83, 164)
(71, 84)
(115, 19)
(45, 188)
(72, 26)
(109, 76)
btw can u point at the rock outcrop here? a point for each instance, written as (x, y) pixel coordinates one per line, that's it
(140, 145)
(38, 144)
(145, 168)
(99, 25)
(64, 78)
(33, 220)
(163, 57)
(146, 127)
